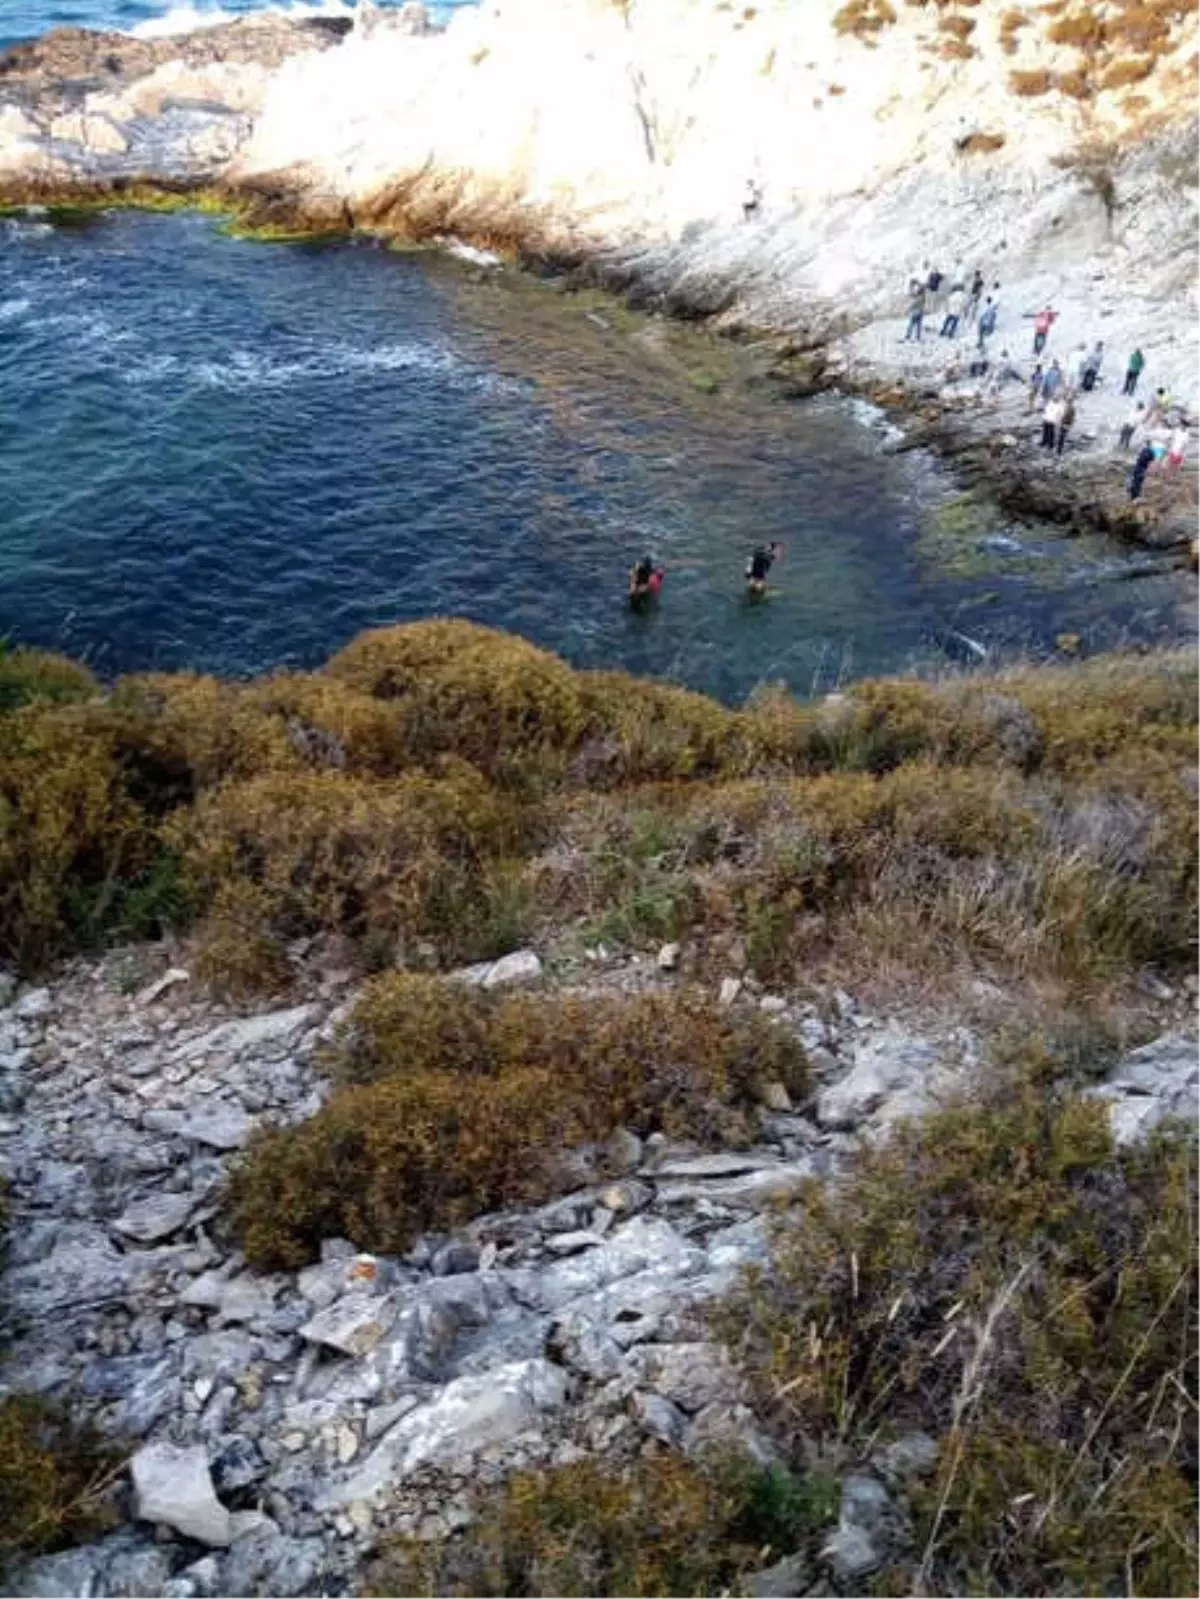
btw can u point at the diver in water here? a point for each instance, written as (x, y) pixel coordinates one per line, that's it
(645, 581)
(757, 567)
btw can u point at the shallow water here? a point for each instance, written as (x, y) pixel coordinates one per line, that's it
(25, 19)
(229, 456)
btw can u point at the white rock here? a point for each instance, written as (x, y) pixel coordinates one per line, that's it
(160, 985)
(772, 1004)
(882, 1066)
(523, 966)
(668, 957)
(173, 1488)
(34, 1005)
(731, 987)
(252, 1032)
(469, 1414)
(220, 1126)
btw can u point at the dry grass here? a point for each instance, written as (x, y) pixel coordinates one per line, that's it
(1135, 69)
(1075, 85)
(957, 50)
(1002, 1279)
(658, 1527)
(1030, 84)
(864, 19)
(56, 1480)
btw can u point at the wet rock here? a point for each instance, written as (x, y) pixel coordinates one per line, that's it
(468, 1415)
(173, 1488)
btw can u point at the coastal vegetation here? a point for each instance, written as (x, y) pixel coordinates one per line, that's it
(998, 1277)
(440, 791)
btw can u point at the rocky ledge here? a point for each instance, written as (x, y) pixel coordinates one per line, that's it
(279, 1425)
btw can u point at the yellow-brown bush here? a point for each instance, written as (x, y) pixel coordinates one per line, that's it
(958, 26)
(55, 1477)
(1076, 85)
(1030, 84)
(489, 697)
(383, 862)
(1134, 69)
(79, 855)
(641, 731)
(462, 1103)
(1082, 29)
(864, 18)
(1003, 1279)
(660, 1526)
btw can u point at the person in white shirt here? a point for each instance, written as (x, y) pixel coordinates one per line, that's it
(1177, 447)
(1132, 423)
(1052, 417)
(955, 302)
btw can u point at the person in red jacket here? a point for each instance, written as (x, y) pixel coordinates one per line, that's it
(1042, 323)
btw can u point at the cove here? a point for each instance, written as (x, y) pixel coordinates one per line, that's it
(225, 456)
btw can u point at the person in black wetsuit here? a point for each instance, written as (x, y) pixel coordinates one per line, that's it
(757, 567)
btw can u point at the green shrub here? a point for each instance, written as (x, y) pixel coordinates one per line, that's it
(55, 1476)
(464, 1102)
(29, 675)
(659, 1527)
(1000, 1277)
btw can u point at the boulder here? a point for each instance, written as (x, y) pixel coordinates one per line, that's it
(866, 1530)
(157, 1216)
(173, 1488)
(886, 1064)
(1150, 1084)
(522, 966)
(468, 1415)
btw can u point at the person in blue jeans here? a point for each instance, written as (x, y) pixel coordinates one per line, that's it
(916, 312)
(987, 321)
(1145, 460)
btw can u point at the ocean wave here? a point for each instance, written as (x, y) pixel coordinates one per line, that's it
(187, 17)
(10, 310)
(255, 369)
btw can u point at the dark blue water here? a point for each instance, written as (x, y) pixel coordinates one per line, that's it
(229, 456)
(24, 19)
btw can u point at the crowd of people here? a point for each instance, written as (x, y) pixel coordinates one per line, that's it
(1157, 428)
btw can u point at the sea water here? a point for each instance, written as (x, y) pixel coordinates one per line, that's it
(232, 456)
(25, 19)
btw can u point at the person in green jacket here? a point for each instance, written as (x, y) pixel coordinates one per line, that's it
(1134, 371)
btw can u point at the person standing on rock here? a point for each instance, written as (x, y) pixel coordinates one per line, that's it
(1053, 381)
(1066, 423)
(974, 297)
(1177, 447)
(751, 201)
(1036, 378)
(916, 312)
(954, 307)
(1132, 423)
(1043, 321)
(1078, 366)
(987, 322)
(1052, 418)
(1133, 371)
(1091, 367)
(1145, 460)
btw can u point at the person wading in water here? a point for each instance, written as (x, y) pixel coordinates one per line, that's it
(757, 567)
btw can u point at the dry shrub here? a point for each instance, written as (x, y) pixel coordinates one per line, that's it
(1002, 1279)
(1082, 29)
(1135, 69)
(958, 26)
(55, 1477)
(1143, 27)
(80, 851)
(285, 856)
(957, 50)
(864, 18)
(461, 1103)
(1076, 85)
(981, 143)
(657, 1527)
(641, 731)
(486, 696)
(1030, 84)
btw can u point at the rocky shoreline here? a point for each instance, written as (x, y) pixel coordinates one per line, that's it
(285, 1423)
(211, 118)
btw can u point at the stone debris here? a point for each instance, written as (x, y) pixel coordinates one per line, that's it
(173, 1488)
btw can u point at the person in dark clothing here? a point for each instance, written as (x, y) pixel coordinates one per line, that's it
(975, 296)
(758, 566)
(1066, 424)
(1145, 460)
(1134, 371)
(645, 581)
(916, 311)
